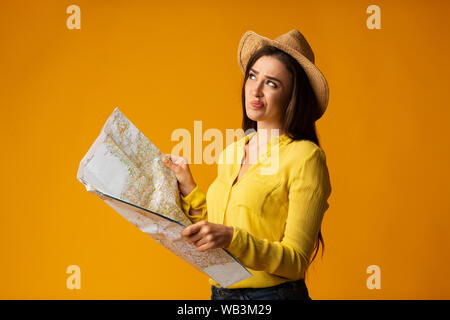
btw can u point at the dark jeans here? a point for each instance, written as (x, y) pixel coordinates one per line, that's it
(291, 290)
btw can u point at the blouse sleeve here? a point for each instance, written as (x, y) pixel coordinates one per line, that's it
(195, 200)
(309, 190)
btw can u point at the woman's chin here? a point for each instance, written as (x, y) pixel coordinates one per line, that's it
(255, 118)
(255, 115)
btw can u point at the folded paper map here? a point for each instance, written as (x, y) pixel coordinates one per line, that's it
(125, 169)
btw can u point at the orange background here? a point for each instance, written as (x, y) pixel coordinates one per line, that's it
(167, 64)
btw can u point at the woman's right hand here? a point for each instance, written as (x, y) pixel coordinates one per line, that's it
(180, 167)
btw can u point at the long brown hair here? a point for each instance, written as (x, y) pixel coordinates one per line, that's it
(298, 116)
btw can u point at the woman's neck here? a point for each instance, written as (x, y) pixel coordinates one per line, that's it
(263, 136)
(265, 132)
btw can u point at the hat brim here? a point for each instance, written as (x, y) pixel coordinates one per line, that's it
(251, 41)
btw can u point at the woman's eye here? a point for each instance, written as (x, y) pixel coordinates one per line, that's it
(273, 83)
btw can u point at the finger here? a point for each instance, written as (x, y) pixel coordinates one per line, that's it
(206, 246)
(191, 229)
(173, 162)
(164, 156)
(168, 163)
(181, 161)
(202, 240)
(174, 157)
(194, 238)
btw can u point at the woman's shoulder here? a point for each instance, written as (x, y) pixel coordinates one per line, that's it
(299, 152)
(304, 148)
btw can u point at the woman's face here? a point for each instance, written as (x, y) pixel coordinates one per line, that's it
(270, 83)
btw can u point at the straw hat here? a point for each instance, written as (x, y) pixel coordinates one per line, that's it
(295, 44)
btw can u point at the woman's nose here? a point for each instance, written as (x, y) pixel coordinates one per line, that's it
(257, 89)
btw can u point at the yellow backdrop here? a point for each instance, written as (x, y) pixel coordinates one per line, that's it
(168, 64)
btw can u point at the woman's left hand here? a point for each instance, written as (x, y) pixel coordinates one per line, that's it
(206, 235)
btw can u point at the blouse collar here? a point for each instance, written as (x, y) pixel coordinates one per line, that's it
(282, 139)
(274, 140)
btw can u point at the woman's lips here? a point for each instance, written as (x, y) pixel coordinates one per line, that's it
(257, 104)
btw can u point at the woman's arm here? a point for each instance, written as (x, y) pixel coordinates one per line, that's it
(194, 205)
(193, 200)
(185, 191)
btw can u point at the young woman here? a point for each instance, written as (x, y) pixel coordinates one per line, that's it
(270, 222)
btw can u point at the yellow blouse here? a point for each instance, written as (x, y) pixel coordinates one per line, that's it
(276, 214)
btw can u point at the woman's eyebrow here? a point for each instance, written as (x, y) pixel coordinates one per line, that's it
(268, 77)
